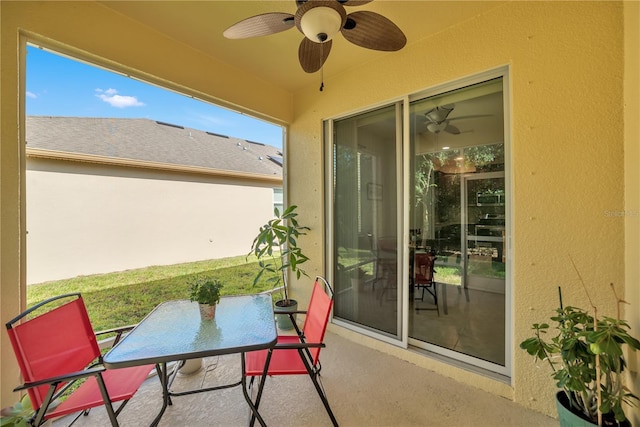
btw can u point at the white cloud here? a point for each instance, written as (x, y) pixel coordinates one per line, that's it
(111, 97)
(31, 95)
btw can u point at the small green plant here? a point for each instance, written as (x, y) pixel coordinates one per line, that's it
(204, 289)
(17, 415)
(586, 358)
(276, 247)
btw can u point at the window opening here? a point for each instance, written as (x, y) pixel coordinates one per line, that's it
(93, 217)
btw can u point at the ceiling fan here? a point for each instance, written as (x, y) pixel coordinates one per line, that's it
(438, 121)
(320, 21)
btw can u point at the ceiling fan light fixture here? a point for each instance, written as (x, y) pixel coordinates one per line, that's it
(321, 23)
(436, 127)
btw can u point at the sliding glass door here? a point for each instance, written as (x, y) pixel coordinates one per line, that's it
(458, 214)
(428, 180)
(365, 232)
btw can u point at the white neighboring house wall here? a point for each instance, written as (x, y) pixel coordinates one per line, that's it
(87, 218)
(107, 195)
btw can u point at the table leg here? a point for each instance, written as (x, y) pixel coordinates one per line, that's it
(161, 369)
(263, 379)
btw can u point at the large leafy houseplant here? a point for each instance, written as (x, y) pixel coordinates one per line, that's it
(587, 360)
(18, 415)
(277, 250)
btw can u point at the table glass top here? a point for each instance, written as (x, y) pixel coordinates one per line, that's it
(175, 331)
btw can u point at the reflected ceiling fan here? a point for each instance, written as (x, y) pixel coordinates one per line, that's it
(438, 121)
(320, 21)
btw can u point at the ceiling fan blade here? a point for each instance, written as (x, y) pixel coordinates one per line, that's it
(312, 55)
(373, 31)
(342, 2)
(354, 2)
(439, 113)
(452, 130)
(475, 116)
(260, 25)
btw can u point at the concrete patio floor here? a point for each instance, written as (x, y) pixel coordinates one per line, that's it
(364, 387)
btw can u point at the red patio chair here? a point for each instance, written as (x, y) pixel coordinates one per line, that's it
(298, 354)
(423, 277)
(58, 347)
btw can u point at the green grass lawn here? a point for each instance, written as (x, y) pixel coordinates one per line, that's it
(124, 298)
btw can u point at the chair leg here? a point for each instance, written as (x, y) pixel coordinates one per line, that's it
(314, 378)
(434, 294)
(77, 417)
(323, 397)
(254, 405)
(107, 401)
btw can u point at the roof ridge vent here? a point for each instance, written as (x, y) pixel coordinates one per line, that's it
(253, 142)
(169, 124)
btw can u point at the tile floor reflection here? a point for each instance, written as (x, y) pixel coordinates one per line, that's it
(471, 322)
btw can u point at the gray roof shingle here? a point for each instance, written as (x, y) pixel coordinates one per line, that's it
(151, 141)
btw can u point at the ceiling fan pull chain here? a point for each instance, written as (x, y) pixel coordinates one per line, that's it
(322, 68)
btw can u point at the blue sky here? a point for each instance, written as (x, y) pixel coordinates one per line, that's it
(59, 86)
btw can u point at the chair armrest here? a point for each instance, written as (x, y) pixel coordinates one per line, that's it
(62, 378)
(106, 343)
(290, 312)
(299, 345)
(118, 330)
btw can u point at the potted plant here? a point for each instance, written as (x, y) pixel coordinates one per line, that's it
(277, 250)
(357, 278)
(18, 415)
(206, 291)
(587, 360)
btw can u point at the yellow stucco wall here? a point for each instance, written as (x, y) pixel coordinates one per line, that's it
(566, 64)
(570, 132)
(632, 182)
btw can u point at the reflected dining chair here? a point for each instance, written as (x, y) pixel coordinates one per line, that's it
(55, 346)
(298, 354)
(423, 278)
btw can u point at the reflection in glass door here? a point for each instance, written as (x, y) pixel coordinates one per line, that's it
(445, 196)
(484, 219)
(365, 232)
(457, 213)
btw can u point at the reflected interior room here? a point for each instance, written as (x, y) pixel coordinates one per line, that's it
(457, 203)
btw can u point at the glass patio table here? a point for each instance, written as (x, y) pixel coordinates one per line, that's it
(173, 331)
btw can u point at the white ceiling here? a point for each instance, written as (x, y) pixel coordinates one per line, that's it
(200, 24)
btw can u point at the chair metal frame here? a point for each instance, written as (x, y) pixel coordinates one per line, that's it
(385, 252)
(48, 378)
(424, 279)
(307, 348)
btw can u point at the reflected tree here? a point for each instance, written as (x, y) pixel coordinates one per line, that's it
(451, 164)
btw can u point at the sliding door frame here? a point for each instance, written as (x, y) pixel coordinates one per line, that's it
(403, 211)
